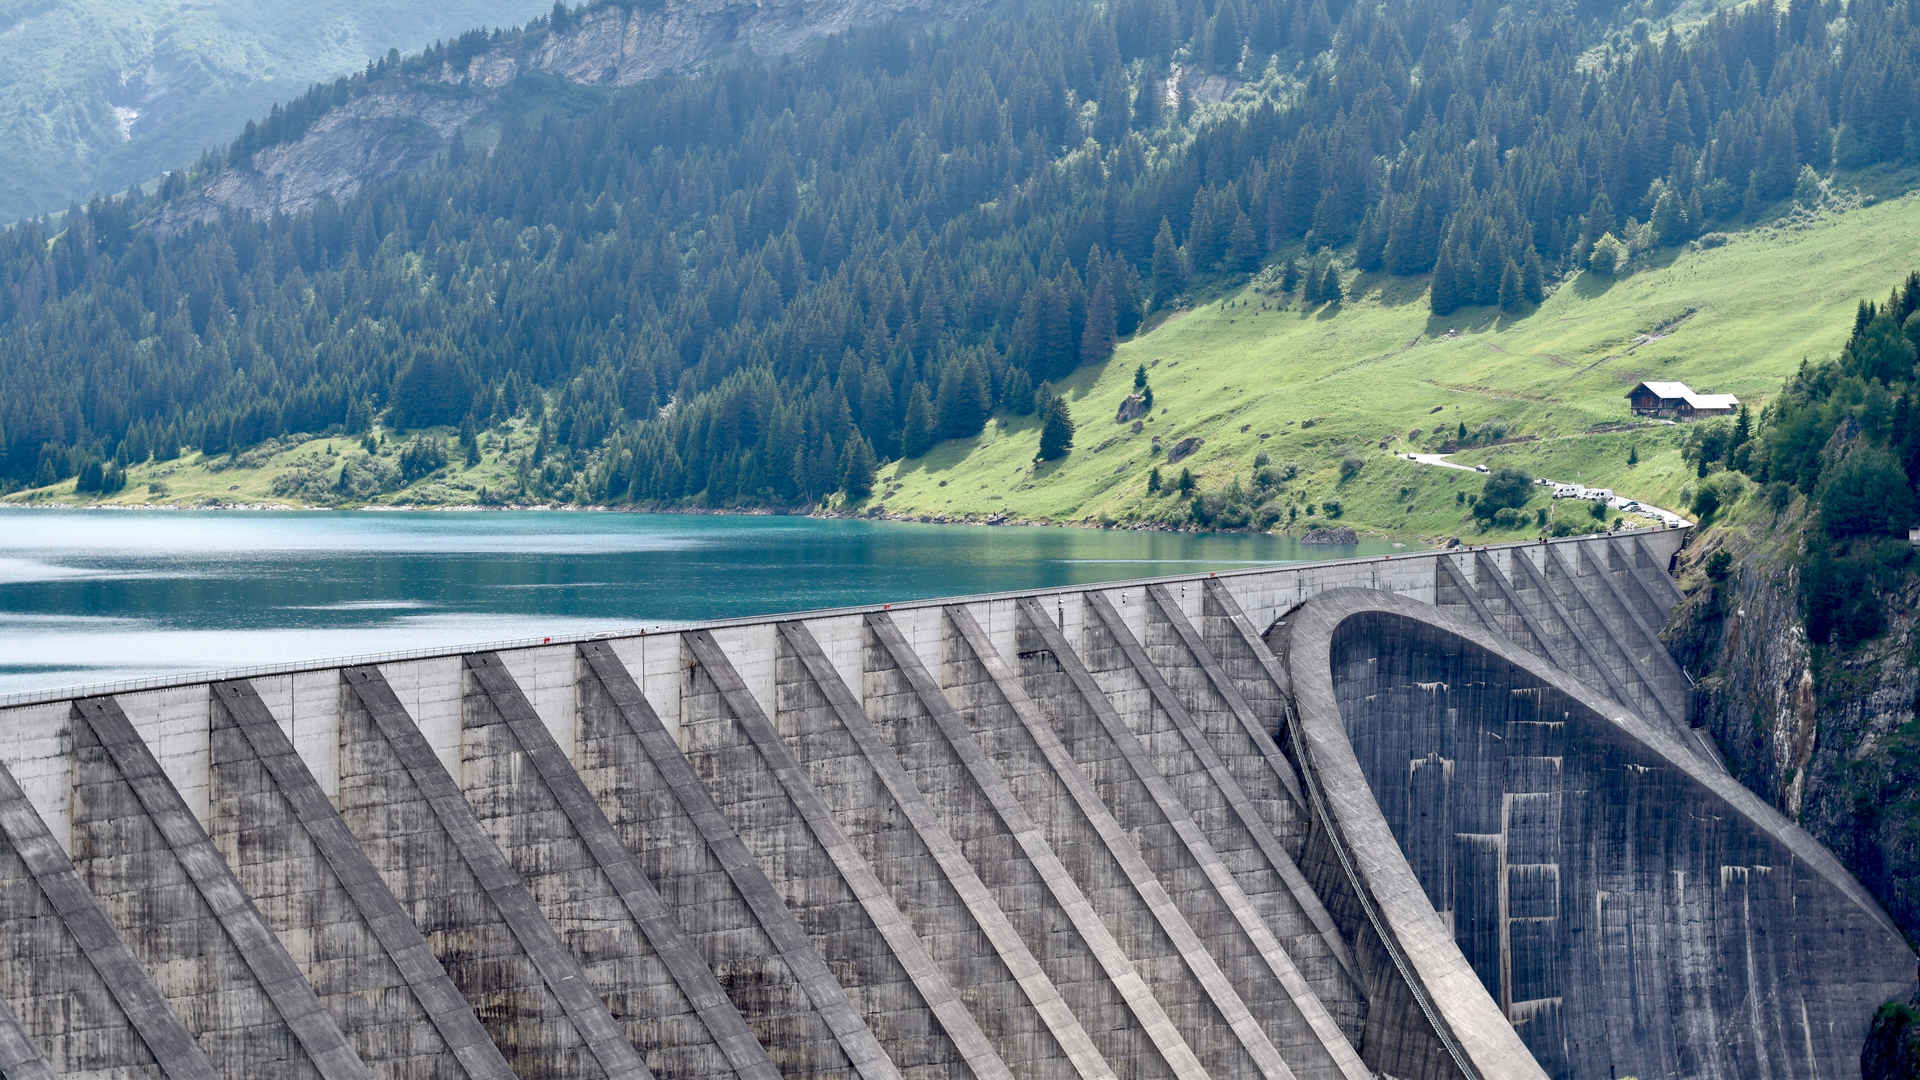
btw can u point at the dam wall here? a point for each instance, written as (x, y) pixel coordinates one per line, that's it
(1061, 833)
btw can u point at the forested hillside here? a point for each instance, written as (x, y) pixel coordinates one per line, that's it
(749, 287)
(1805, 594)
(101, 94)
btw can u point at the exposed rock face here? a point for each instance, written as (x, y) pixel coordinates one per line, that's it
(1823, 735)
(401, 124)
(1133, 408)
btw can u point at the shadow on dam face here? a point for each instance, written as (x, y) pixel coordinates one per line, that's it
(1624, 905)
(1452, 824)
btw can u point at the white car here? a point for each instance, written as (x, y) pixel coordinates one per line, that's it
(1481, 468)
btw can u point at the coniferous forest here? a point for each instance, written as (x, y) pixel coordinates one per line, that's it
(751, 285)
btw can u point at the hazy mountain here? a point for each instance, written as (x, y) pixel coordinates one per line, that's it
(96, 95)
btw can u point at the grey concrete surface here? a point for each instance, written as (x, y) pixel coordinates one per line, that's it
(1073, 834)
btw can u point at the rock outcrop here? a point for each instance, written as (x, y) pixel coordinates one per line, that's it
(1824, 734)
(404, 122)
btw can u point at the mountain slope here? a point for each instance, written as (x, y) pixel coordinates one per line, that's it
(745, 286)
(96, 95)
(401, 115)
(1311, 385)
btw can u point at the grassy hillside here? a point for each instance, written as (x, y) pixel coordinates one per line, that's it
(96, 95)
(300, 472)
(1378, 375)
(1308, 388)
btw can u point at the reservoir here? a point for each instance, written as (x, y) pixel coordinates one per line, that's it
(97, 596)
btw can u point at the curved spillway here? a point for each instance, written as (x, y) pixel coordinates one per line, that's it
(1534, 860)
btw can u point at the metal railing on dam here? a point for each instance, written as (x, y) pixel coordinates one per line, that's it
(1084, 832)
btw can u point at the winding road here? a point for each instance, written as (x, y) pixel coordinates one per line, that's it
(1663, 515)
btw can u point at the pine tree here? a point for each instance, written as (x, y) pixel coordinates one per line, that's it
(1330, 290)
(857, 467)
(1243, 246)
(1512, 295)
(1140, 378)
(960, 410)
(1097, 337)
(1533, 284)
(1185, 484)
(1056, 429)
(1153, 481)
(1169, 269)
(917, 435)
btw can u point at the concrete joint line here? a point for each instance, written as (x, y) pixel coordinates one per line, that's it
(823, 990)
(1667, 584)
(450, 1014)
(1559, 564)
(1303, 997)
(663, 933)
(1269, 665)
(959, 873)
(1565, 617)
(1593, 566)
(557, 967)
(1237, 798)
(1218, 987)
(152, 1019)
(1544, 645)
(886, 916)
(1099, 940)
(1477, 603)
(20, 1059)
(272, 966)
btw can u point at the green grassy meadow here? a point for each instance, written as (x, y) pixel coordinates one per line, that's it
(1248, 374)
(1378, 374)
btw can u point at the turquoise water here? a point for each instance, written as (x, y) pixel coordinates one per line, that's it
(91, 596)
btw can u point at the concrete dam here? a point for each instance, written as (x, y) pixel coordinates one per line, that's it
(1433, 815)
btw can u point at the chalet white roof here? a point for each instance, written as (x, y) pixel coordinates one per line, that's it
(1679, 391)
(1669, 390)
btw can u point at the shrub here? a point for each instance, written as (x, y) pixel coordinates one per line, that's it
(1350, 467)
(1504, 488)
(1332, 508)
(1510, 517)
(1719, 566)
(1609, 256)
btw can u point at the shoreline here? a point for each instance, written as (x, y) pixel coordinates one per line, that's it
(901, 518)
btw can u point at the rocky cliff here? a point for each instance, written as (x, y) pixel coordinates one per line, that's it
(403, 121)
(1829, 735)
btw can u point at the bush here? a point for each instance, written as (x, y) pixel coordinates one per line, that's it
(1350, 467)
(1332, 508)
(1505, 488)
(1510, 517)
(1719, 566)
(1715, 493)
(1609, 256)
